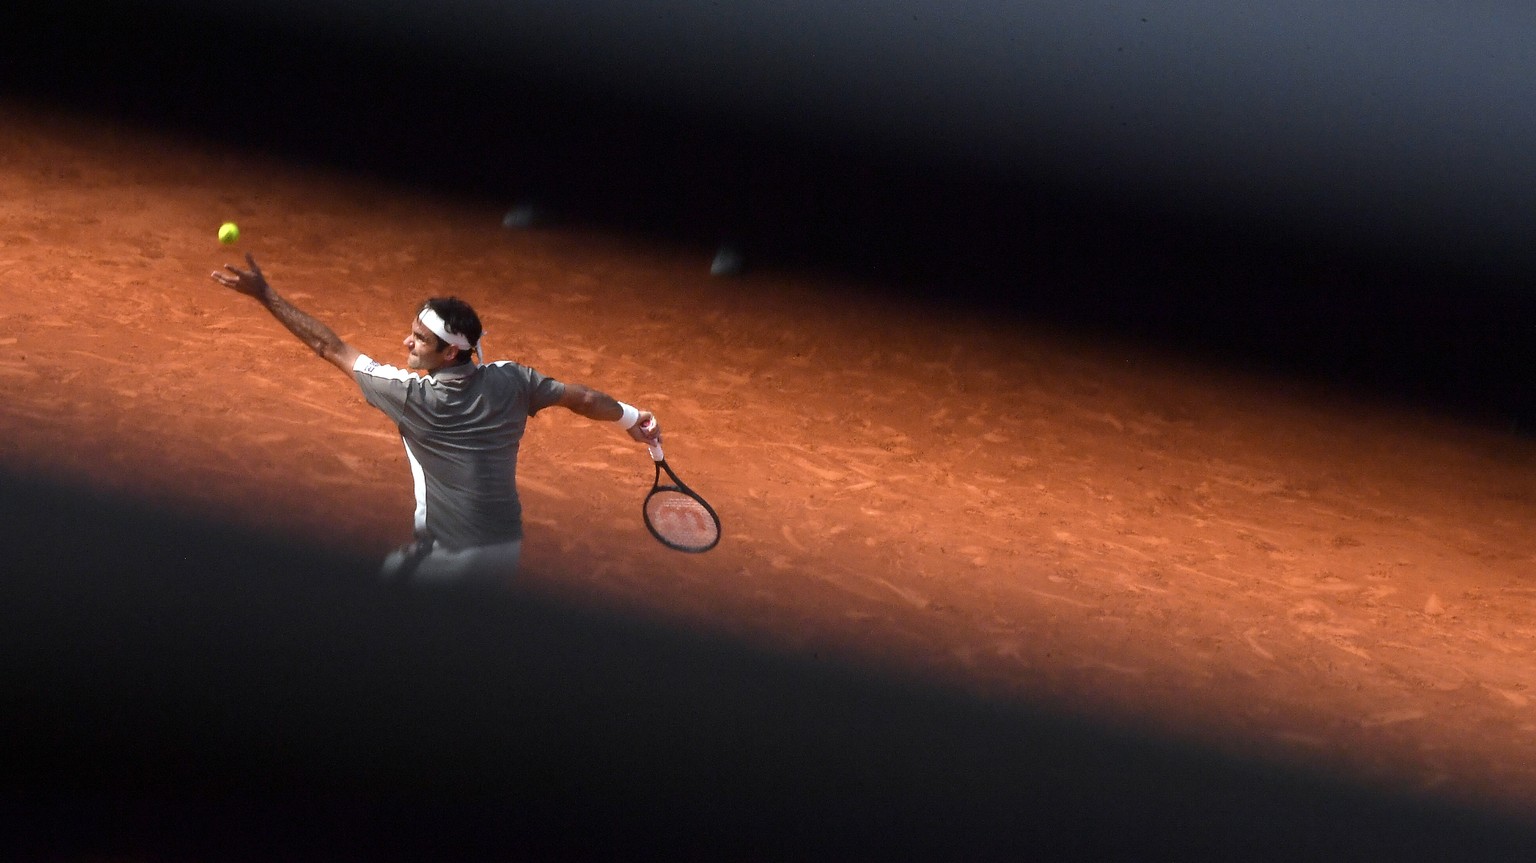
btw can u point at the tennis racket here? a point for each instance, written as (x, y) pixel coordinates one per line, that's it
(676, 515)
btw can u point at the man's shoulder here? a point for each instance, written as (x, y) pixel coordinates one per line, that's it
(524, 378)
(367, 367)
(509, 368)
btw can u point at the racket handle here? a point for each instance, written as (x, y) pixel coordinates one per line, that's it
(655, 448)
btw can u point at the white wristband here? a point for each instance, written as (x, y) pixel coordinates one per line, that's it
(630, 417)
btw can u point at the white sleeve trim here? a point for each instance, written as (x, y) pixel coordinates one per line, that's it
(366, 365)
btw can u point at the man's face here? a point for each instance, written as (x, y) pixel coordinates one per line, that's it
(422, 350)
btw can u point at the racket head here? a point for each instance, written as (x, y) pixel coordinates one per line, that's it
(680, 519)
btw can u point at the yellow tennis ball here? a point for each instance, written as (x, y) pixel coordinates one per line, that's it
(229, 232)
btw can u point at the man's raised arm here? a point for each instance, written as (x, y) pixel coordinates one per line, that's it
(320, 338)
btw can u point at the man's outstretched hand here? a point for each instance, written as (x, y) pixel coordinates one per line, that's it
(249, 282)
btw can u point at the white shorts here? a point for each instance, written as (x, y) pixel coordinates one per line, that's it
(432, 564)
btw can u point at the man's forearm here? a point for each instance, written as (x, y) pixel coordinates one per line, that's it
(597, 405)
(591, 403)
(320, 338)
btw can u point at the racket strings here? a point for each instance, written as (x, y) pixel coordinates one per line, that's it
(681, 521)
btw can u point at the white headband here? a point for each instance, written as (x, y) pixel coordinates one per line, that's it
(434, 322)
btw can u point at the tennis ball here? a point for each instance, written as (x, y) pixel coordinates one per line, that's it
(229, 232)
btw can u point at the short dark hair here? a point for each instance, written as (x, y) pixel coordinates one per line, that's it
(461, 319)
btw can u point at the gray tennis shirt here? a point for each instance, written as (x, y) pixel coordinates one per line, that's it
(462, 426)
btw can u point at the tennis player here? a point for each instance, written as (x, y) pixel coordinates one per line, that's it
(462, 423)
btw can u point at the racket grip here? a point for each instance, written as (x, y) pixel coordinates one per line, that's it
(655, 448)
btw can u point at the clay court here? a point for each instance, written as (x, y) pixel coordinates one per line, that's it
(1040, 538)
(1253, 564)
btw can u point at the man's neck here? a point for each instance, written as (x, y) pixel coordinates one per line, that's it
(461, 368)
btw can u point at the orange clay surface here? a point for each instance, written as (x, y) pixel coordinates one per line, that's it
(1247, 562)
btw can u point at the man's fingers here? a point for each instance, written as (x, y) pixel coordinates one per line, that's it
(232, 282)
(251, 259)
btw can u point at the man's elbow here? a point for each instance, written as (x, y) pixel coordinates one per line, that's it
(340, 355)
(580, 400)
